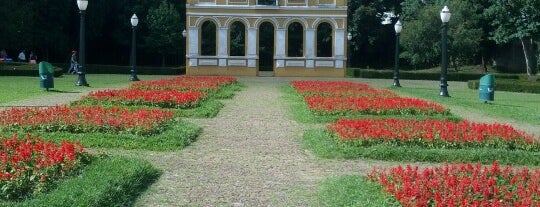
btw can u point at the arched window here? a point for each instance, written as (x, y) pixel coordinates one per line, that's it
(208, 39)
(295, 40)
(237, 39)
(324, 40)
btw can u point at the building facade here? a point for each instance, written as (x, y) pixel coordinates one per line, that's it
(277, 37)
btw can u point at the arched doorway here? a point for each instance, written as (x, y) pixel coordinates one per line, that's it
(266, 47)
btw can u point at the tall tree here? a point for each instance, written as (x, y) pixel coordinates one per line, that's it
(518, 19)
(421, 32)
(164, 29)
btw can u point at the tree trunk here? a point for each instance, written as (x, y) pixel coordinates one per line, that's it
(162, 60)
(484, 66)
(528, 53)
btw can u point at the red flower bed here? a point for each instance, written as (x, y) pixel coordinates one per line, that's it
(84, 119)
(161, 98)
(199, 83)
(339, 88)
(461, 185)
(29, 166)
(341, 97)
(373, 105)
(431, 132)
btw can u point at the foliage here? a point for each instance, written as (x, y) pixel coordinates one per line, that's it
(510, 85)
(323, 145)
(30, 166)
(353, 191)
(518, 19)
(165, 29)
(80, 119)
(107, 181)
(460, 185)
(421, 40)
(430, 134)
(423, 75)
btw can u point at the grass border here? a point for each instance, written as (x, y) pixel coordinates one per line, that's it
(109, 181)
(353, 190)
(322, 145)
(179, 135)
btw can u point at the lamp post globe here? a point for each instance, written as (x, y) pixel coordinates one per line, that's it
(397, 27)
(81, 81)
(133, 56)
(445, 18)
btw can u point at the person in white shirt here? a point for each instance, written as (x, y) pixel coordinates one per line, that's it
(22, 56)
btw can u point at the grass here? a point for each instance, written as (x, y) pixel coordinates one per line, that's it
(322, 145)
(16, 88)
(345, 191)
(179, 135)
(109, 181)
(522, 107)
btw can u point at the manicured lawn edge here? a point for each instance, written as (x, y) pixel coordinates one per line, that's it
(352, 190)
(180, 135)
(319, 141)
(109, 181)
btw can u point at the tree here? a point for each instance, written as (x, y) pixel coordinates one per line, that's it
(164, 29)
(517, 19)
(421, 32)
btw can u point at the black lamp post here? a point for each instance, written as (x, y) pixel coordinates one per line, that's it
(349, 37)
(82, 4)
(398, 26)
(134, 22)
(184, 33)
(445, 17)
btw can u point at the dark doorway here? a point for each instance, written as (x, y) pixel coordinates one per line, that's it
(266, 47)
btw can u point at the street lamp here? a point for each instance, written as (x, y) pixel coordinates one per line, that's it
(445, 17)
(349, 37)
(184, 33)
(82, 4)
(134, 22)
(398, 26)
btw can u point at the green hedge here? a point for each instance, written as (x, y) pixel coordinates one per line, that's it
(119, 69)
(24, 69)
(510, 85)
(411, 75)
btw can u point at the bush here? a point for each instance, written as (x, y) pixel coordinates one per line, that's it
(119, 69)
(411, 75)
(510, 85)
(23, 69)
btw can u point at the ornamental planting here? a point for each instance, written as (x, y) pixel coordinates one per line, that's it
(461, 185)
(198, 83)
(81, 119)
(343, 98)
(30, 165)
(431, 133)
(137, 97)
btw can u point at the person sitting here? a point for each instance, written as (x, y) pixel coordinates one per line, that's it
(33, 58)
(22, 56)
(74, 67)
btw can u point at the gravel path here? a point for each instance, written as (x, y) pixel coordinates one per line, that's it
(249, 155)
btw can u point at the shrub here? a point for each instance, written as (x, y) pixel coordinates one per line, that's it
(510, 85)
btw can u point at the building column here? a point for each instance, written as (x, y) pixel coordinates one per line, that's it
(193, 41)
(223, 44)
(339, 47)
(280, 47)
(310, 47)
(252, 47)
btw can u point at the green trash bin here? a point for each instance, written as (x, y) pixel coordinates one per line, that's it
(487, 88)
(46, 72)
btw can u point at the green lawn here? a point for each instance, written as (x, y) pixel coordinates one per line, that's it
(522, 107)
(15, 88)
